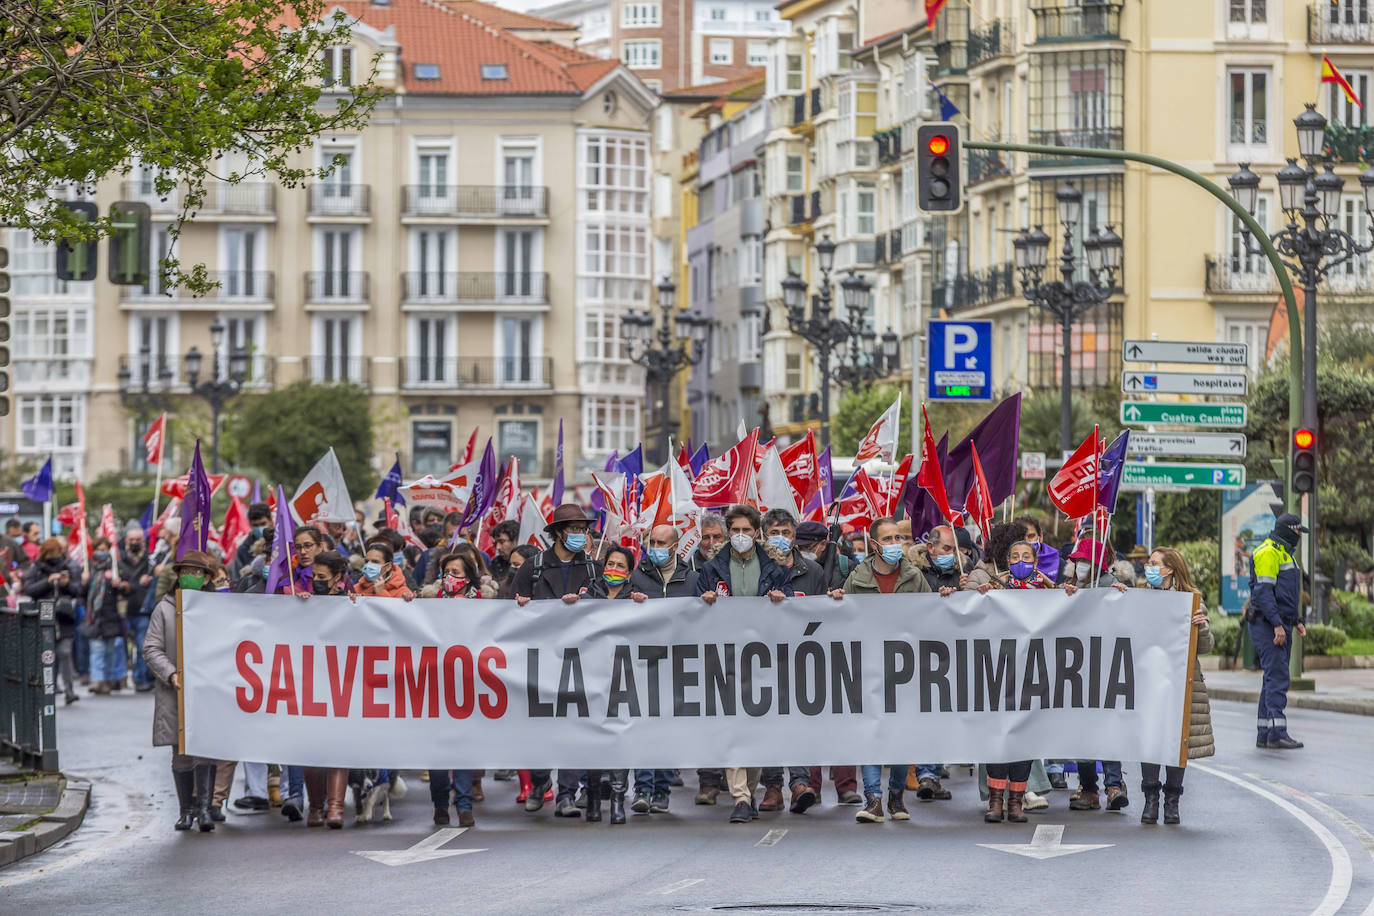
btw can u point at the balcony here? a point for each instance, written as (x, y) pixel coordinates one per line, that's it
(984, 165)
(245, 198)
(970, 290)
(339, 370)
(475, 201)
(332, 199)
(1350, 144)
(477, 372)
(336, 286)
(143, 191)
(1232, 274)
(475, 286)
(994, 41)
(48, 374)
(261, 370)
(1091, 20)
(1339, 23)
(244, 285)
(1089, 138)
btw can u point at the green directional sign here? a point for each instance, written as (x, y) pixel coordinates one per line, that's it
(1137, 476)
(1145, 413)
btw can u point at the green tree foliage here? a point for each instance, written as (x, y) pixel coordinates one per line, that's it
(1040, 418)
(284, 432)
(87, 89)
(1191, 516)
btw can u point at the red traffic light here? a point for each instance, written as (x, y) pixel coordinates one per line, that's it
(1304, 438)
(938, 144)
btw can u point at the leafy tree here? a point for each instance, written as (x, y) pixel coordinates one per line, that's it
(284, 432)
(1191, 516)
(88, 88)
(858, 412)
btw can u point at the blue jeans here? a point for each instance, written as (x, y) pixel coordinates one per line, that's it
(896, 779)
(772, 776)
(138, 629)
(653, 782)
(1054, 766)
(459, 782)
(293, 782)
(928, 769)
(105, 661)
(1087, 774)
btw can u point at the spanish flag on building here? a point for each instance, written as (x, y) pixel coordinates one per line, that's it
(1331, 75)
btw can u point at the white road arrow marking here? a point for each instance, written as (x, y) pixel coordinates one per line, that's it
(1046, 844)
(680, 885)
(423, 851)
(772, 838)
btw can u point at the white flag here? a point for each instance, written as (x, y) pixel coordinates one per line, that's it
(323, 495)
(881, 441)
(532, 522)
(774, 490)
(686, 514)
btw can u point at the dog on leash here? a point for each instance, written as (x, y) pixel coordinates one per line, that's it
(374, 787)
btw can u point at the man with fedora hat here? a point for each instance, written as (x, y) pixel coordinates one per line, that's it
(1275, 611)
(563, 571)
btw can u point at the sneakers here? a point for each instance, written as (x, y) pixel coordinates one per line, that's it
(1057, 781)
(742, 813)
(803, 797)
(1035, 802)
(538, 795)
(929, 789)
(1116, 798)
(658, 804)
(580, 799)
(772, 799)
(851, 798)
(465, 819)
(1084, 800)
(708, 795)
(641, 804)
(564, 807)
(872, 811)
(896, 807)
(441, 817)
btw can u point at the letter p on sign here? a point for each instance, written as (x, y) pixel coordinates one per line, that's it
(959, 340)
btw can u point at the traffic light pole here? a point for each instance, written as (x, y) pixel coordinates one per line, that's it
(1295, 334)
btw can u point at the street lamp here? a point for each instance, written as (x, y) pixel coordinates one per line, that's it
(1311, 246)
(680, 339)
(854, 341)
(145, 398)
(216, 390)
(1066, 298)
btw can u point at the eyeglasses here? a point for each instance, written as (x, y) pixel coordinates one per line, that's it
(305, 545)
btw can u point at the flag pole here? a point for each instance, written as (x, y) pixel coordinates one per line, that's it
(1097, 485)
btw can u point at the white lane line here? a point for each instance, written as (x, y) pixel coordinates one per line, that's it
(681, 885)
(1364, 836)
(772, 837)
(1341, 870)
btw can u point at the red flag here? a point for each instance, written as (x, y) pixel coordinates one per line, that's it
(177, 486)
(171, 510)
(235, 526)
(930, 478)
(154, 439)
(802, 467)
(79, 540)
(467, 452)
(1074, 489)
(932, 10)
(892, 486)
(392, 521)
(684, 459)
(979, 503)
(863, 504)
(725, 480)
(108, 531)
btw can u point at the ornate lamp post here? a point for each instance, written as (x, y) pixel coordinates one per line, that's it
(216, 390)
(680, 338)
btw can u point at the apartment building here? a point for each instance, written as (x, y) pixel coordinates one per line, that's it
(467, 261)
(673, 44)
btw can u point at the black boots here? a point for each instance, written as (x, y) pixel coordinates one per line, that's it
(618, 786)
(593, 797)
(1171, 804)
(1150, 813)
(185, 781)
(205, 788)
(614, 791)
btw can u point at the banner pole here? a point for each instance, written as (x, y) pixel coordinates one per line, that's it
(1188, 684)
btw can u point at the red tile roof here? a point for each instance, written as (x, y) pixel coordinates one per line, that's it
(502, 18)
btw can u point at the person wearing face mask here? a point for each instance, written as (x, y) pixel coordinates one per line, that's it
(713, 538)
(136, 572)
(1046, 557)
(461, 577)
(104, 626)
(259, 523)
(813, 543)
(941, 566)
(381, 577)
(1166, 569)
(565, 571)
(1275, 612)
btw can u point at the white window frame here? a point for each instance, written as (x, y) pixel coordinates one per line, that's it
(36, 434)
(434, 281)
(429, 366)
(507, 370)
(351, 289)
(349, 365)
(641, 14)
(431, 193)
(171, 344)
(642, 53)
(1338, 107)
(255, 323)
(722, 51)
(756, 52)
(1249, 118)
(613, 173)
(337, 68)
(524, 195)
(519, 281)
(609, 423)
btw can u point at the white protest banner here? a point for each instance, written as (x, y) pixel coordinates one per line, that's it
(676, 682)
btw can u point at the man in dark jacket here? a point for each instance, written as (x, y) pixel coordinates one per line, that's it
(942, 560)
(806, 576)
(135, 571)
(14, 562)
(259, 523)
(563, 571)
(713, 538)
(1275, 612)
(813, 541)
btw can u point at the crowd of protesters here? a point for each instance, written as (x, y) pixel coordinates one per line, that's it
(119, 609)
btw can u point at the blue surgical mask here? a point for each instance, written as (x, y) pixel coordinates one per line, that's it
(371, 570)
(946, 561)
(575, 542)
(259, 530)
(860, 556)
(1155, 576)
(398, 558)
(892, 554)
(779, 542)
(659, 556)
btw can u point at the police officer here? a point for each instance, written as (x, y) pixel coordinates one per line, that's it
(1275, 610)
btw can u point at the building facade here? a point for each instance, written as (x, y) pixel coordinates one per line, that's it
(467, 262)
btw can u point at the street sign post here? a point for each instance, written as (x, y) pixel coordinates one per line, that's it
(1197, 445)
(960, 363)
(1222, 383)
(1146, 413)
(1138, 476)
(1185, 351)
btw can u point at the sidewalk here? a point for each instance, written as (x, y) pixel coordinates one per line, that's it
(37, 811)
(1349, 690)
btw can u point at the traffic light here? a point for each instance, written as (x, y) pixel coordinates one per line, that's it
(4, 331)
(1304, 460)
(76, 258)
(939, 172)
(130, 240)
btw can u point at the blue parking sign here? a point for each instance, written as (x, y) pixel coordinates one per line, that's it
(959, 367)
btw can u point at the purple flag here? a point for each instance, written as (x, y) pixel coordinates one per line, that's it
(920, 508)
(633, 462)
(997, 438)
(483, 492)
(1111, 468)
(39, 487)
(283, 540)
(827, 473)
(257, 491)
(699, 459)
(195, 508)
(558, 468)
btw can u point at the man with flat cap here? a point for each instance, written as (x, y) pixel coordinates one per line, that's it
(1275, 611)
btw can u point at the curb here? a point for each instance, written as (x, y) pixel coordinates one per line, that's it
(1328, 704)
(52, 828)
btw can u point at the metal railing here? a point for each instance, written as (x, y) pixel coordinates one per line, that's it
(985, 164)
(144, 192)
(482, 201)
(477, 372)
(328, 198)
(1086, 137)
(1237, 273)
(28, 684)
(993, 41)
(336, 286)
(1085, 22)
(245, 198)
(329, 370)
(1339, 23)
(244, 284)
(970, 290)
(475, 286)
(1347, 142)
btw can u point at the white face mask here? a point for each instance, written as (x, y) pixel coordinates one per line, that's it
(1081, 569)
(742, 543)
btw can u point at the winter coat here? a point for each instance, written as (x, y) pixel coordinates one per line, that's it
(1200, 741)
(648, 580)
(37, 587)
(131, 570)
(805, 577)
(982, 574)
(160, 655)
(864, 581)
(936, 577)
(542, 577)
(394, 587)
(105, 615)
(772, 577)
